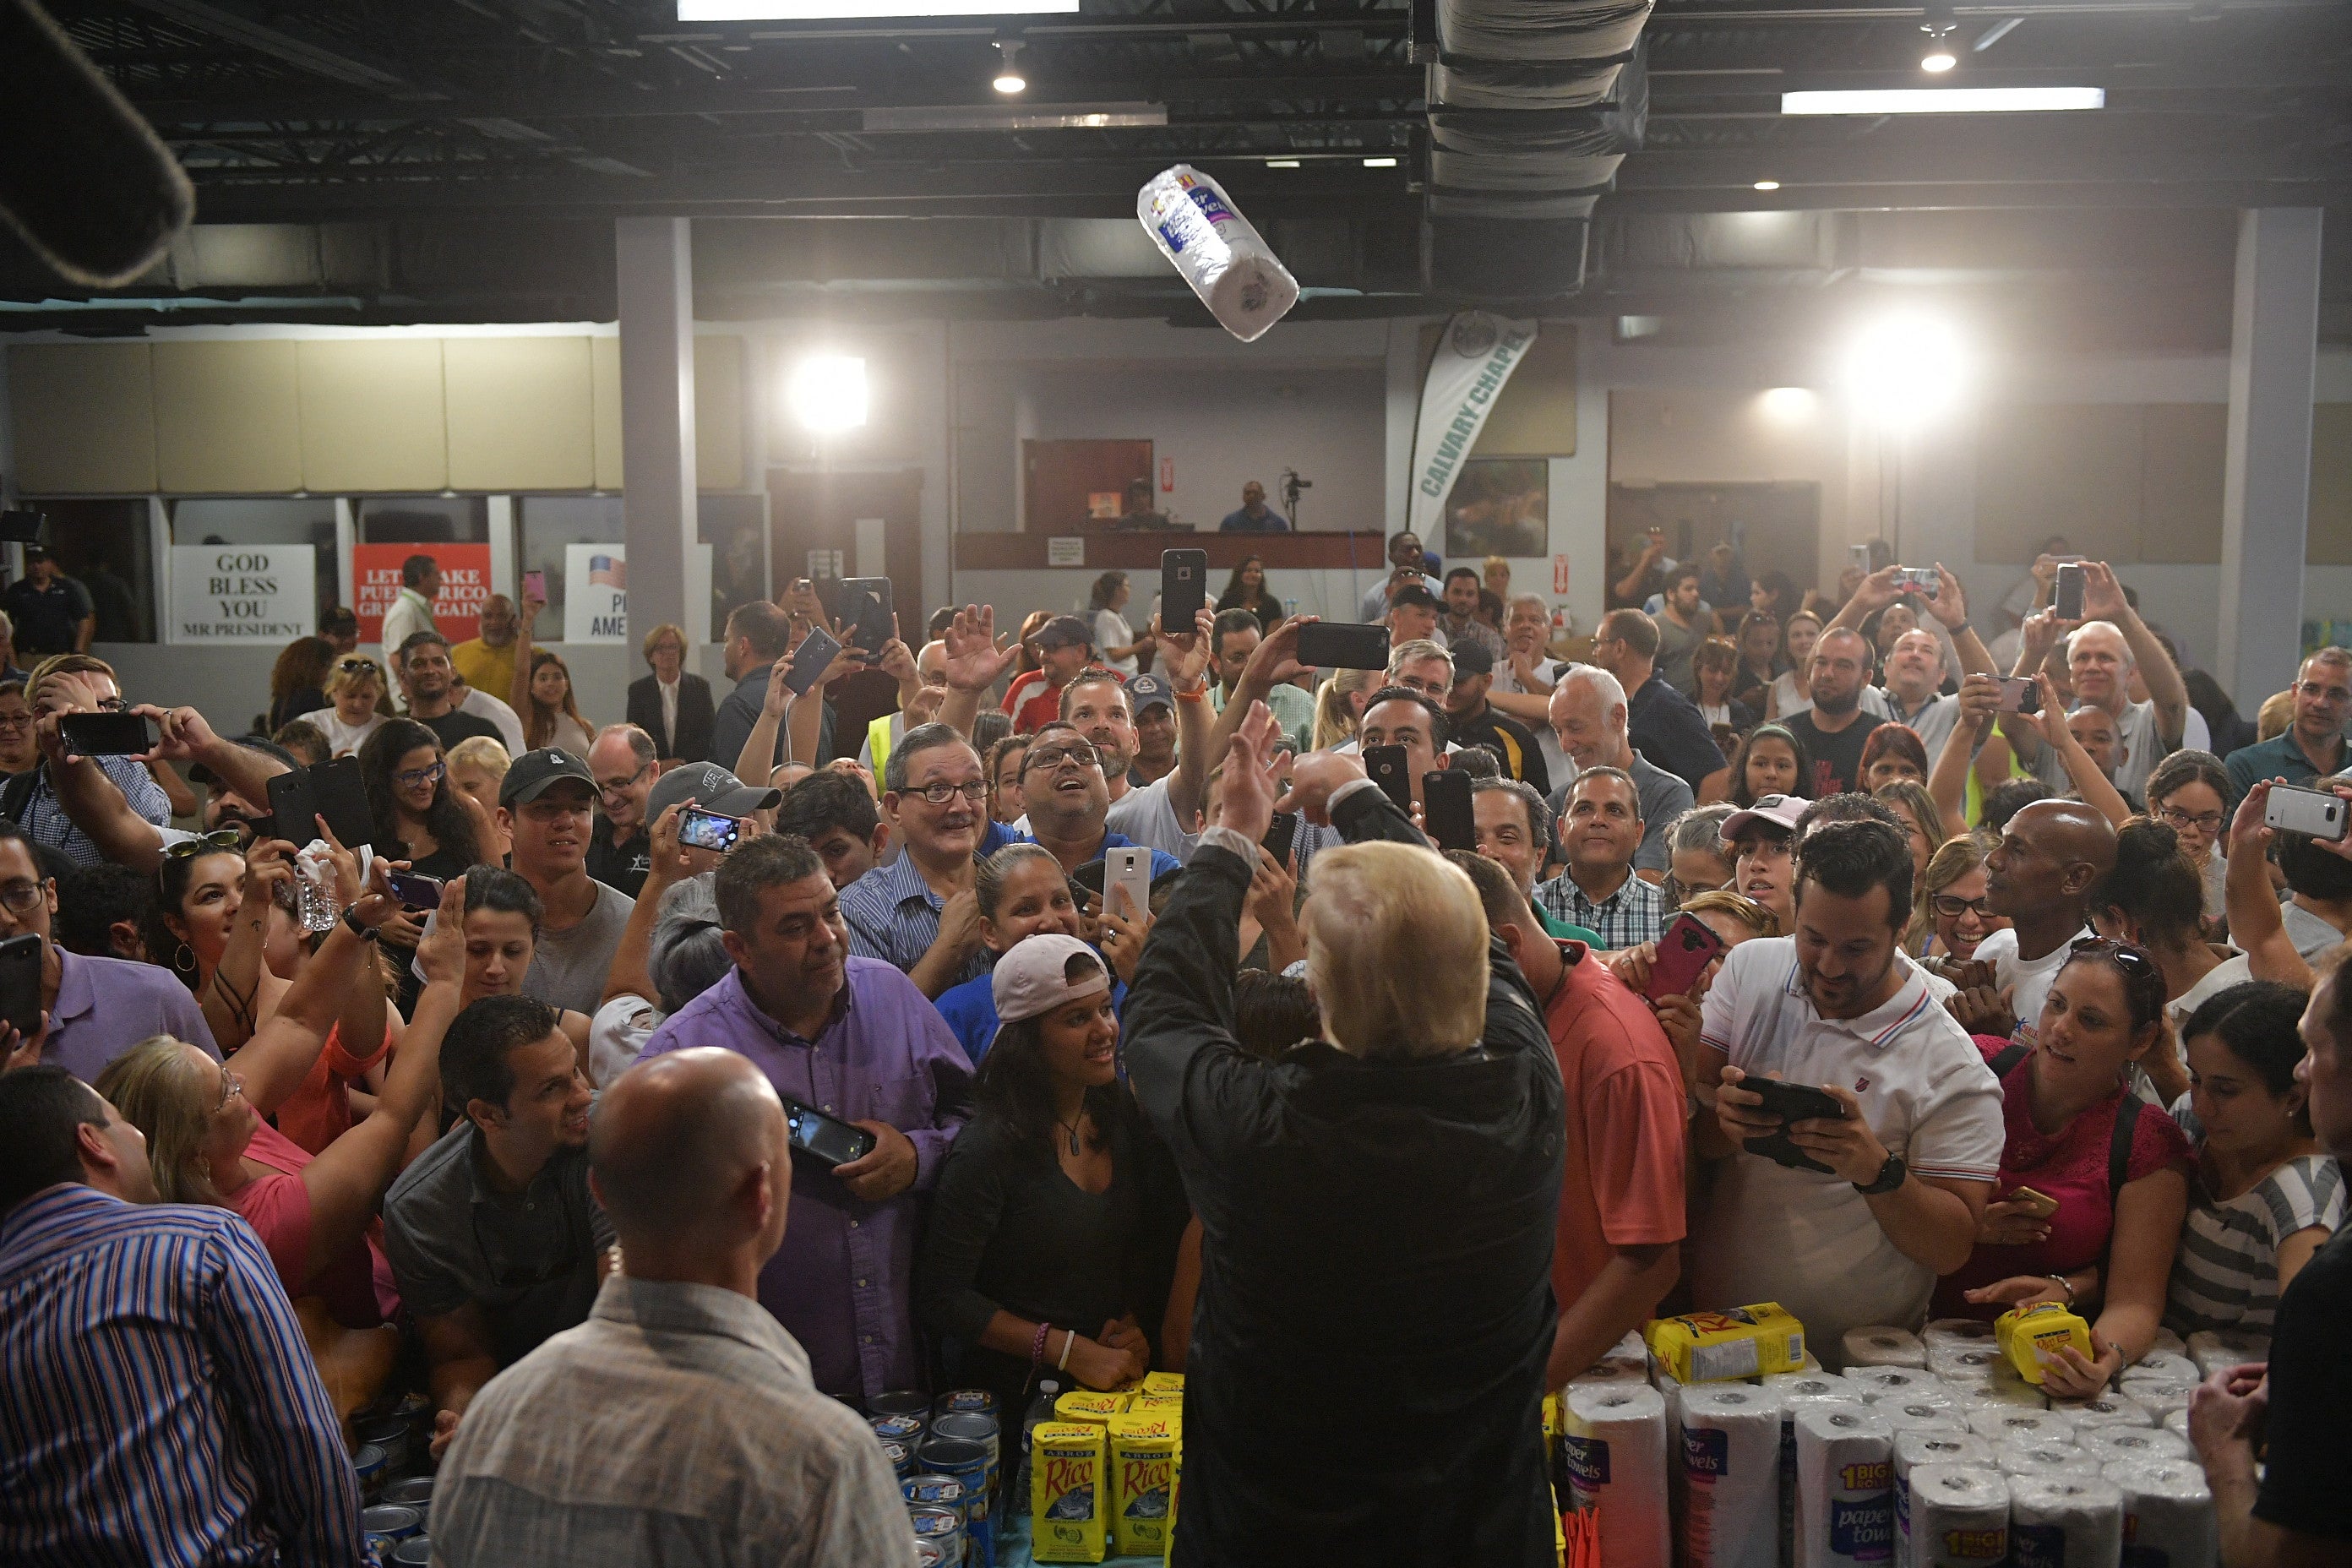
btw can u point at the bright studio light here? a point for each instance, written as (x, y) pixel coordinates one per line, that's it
(1908, 369)
(827, 393)
(1009, 78)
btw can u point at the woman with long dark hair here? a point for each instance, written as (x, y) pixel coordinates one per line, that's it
(1246, 590)
(551, 715)
(1772, 760)
(1054, 1229)
(421, 818)
(297, 679)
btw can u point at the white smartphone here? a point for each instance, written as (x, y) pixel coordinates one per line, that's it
(2320, 814)
(1127, 874)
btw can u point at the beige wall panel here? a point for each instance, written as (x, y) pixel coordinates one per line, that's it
(372, 415)
(84, 419)
(1535, 414)
(2045, 468)
(2328, 541)
(718, 413)
(227, 418)
(1680, 435)
(2185, 447)
(522, 414)
(604, 376)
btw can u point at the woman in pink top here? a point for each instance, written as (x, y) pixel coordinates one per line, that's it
(207, 1142)
(2108, 1255)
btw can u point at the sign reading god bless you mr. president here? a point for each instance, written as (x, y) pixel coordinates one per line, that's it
(1475, 356)
(242, 593)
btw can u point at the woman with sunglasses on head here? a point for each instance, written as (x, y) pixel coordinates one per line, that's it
(2116, 1166)
(209, 1140)
(355, 704)
(2188, 792)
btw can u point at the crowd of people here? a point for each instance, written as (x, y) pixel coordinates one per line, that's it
(1071, 1001)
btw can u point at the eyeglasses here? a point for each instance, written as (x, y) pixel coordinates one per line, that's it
(416, 778)
(1051, 757)
(941, 793)
(613, 787)
(21, 897)
(2203, 821)
(1951, 908)
(17, 720)
(232, 1087)
(112, 705)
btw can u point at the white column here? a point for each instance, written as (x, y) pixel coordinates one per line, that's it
(2266, 483)
(655, 275)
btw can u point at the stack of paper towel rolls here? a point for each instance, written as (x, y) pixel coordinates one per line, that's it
(1845, 1486)
(2167, 1513)
(1730, 1495)
(1917, 1450)
(1959, 1517)
(1614, 1437)
(1879, 1346)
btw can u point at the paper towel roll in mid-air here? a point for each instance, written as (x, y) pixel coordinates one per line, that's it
(1731, 1476)
(1845, 1486)
(1879, 1346)
(2213, 1349)
(2004, 1424)
(1229, 266)
(1914, 1450)
(2065, 1520)
(1614, 1438)
(2110, 1445)
(1959, 1517)
(2108, 1409)
(2168, 1519)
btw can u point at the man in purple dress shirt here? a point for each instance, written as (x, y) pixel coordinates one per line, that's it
(853, 1037)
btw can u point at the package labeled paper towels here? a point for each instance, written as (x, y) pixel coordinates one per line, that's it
(1730, 1441)
(1914, 1450)
(2112, 1445)
(2168, 1519)
(1234, 272)
(1613, 1443)
(1959, 1517)
(2064, 1521)
(1883, 1347)
(1845, 1486)
(2213, 1349)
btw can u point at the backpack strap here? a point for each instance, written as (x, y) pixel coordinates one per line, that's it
(2008, 1057)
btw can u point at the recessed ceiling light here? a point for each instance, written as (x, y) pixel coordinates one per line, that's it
(1943, 100)
(1768, 184)
(1939, 59)
(1282, 162)
(1379, 162)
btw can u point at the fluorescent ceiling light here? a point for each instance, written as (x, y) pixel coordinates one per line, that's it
(833, 10)
(1282, 162)
(1943, 100)
(1768, 184)
(1379, 162)
(1014, 117)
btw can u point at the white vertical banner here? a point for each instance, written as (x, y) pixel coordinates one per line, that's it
(241, 593)
(1475, 356)
(596, 589)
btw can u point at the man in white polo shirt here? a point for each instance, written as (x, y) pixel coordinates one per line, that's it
(1908, 1167)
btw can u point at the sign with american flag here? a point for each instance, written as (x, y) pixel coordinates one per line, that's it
(596, 589)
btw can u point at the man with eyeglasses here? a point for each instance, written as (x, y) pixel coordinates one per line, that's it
(141, 1000)
(493, 1233)
(620, 851)
(920, 911)
(67, 802)
(2314, 745)
(1062, 785)
(434, 699)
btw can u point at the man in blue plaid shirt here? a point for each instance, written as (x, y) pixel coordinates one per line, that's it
(1600, 829)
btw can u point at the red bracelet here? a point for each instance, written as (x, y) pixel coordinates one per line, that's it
(1038, 1344)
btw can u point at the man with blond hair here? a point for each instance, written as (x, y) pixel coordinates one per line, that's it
(1380, 1204)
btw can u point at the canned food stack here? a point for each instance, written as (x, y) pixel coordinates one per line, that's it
(392, 1462)
(949, 1459)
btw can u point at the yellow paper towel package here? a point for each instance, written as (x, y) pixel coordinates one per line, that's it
(1143, 1477)
(2029, 1336)
(1068, 1493)
(1745, 1342)
(1094, 1409)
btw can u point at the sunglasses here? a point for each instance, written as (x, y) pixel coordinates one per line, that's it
(214, 843)
(354, 666)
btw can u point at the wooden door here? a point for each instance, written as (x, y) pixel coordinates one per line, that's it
(1062, 482)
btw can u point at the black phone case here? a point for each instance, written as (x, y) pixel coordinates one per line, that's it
(107, 734)
(2069, 604)
(334, 790)
(1446, 811)
(1792, 1102)
(797, 1111)
(1343, 644)
(1184, 589)
(20, 984)
(1386, 767)
(1281, 836)
(865, 605)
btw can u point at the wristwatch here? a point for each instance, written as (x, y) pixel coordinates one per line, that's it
(365, 932)
(1890, 1176)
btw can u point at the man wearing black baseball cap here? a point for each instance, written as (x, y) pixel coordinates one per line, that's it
(1067, 647)
(53, 614)
(547, 804)
(1479, 723)
(1155, 730)
(711, 788)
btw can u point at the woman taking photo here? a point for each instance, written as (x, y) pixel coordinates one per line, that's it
(1953, 912)
(550, 715)
(2116, 1167)
(209, 1141)
(1246, 590)
(1022, 893)
(1054, 1229)
(354, 711)
(420, 818)
(1772, 760)
(1114, 641)
(2263, 1196)
(2188, 792)
(295, 680)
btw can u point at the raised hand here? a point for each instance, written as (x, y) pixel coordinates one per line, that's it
(1250, 787)
(1951, 604)
(976, 657)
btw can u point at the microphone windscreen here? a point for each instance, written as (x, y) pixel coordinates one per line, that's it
(83, 179)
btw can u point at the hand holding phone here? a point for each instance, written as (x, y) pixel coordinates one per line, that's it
(1688, 946)
(2319, 813)
(1446, 812)
(1343, 644)
(811, 661)
(1792, 1102)
(414, 890)
(827, 1139)
(1183, 587)
(2066, 598)
(1386, 767)
(2040, 1205)
(534, 586)
(107, 735)
(1127, 873)
(700, 829)
(2018, 694)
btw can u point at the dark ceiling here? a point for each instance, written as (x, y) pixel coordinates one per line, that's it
(460, 159)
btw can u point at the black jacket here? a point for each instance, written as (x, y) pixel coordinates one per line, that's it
(1366, 1367)
(695, 716)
